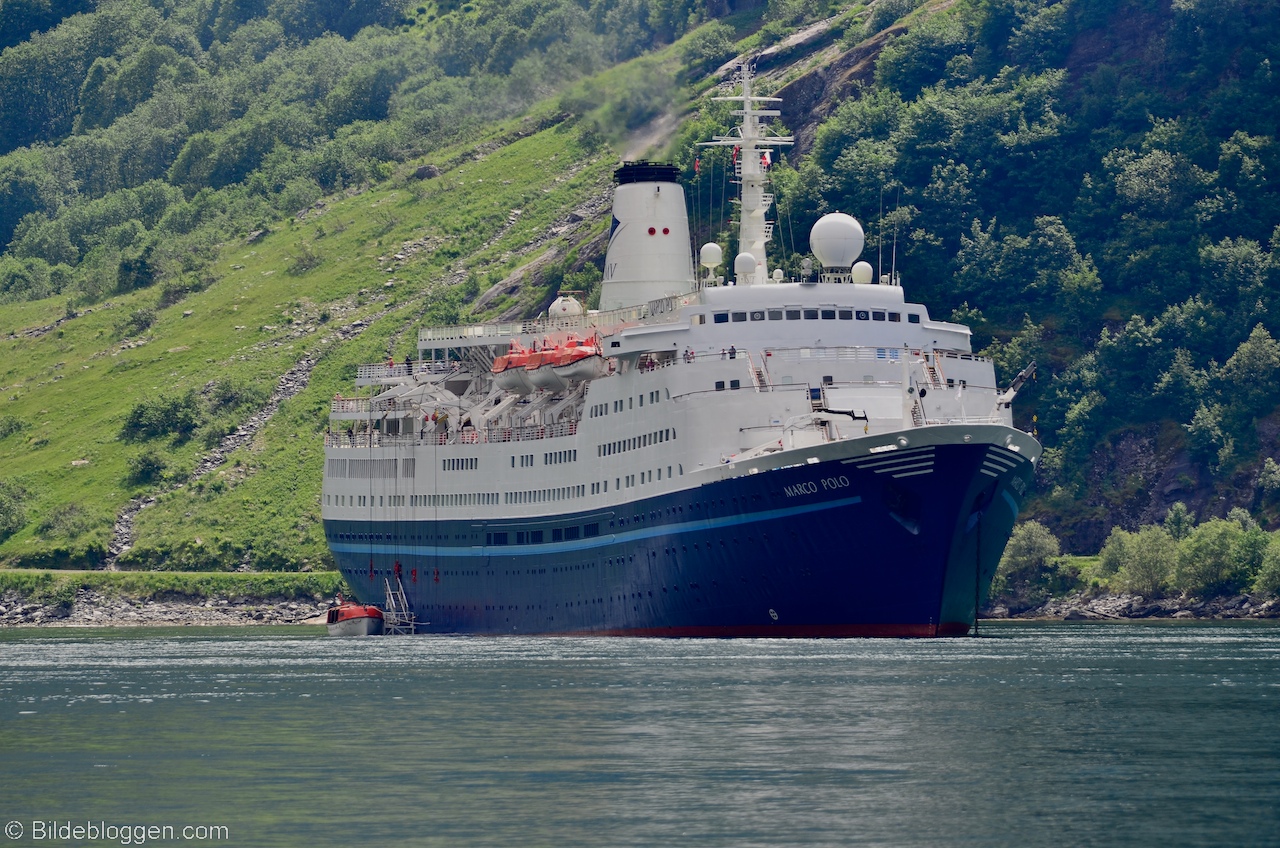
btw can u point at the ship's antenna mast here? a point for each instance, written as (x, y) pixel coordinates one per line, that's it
(753, 141)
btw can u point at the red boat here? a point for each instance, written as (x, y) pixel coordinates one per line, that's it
(352, 619)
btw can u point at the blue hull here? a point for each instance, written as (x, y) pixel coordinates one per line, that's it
(900, 545)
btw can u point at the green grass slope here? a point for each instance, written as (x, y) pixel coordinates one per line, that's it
(279, 300)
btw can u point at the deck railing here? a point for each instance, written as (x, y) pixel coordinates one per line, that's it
(376, 439)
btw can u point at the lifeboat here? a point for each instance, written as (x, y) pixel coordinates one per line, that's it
(509, 370)
(540, 368)
(352, 619)
(581, 359)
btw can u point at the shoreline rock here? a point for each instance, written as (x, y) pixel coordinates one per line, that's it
(1082, 607)
(94, 609)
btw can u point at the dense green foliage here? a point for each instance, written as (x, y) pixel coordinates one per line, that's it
(1217, 557)
(1088, 183)
(137, 135)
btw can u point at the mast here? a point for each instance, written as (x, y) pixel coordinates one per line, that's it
(753, 142)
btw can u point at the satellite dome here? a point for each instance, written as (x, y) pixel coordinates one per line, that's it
(836, 240)
(711, 255)
(744, 267)
(565, 306)
(863, 273)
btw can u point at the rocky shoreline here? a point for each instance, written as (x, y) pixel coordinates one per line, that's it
(1082, 607)
(94, 609)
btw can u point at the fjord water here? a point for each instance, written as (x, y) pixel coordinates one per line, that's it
(1034, 734)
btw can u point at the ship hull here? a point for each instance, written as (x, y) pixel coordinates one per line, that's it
(902, 543)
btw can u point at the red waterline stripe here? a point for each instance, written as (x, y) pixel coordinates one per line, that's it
(783, 631)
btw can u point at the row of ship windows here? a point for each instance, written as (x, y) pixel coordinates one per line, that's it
(530, 496)
(537, 537)
(598, 410)
(813, 315)
(456, 499)
(533, 496)
(557, 457)
(465, 463)
(630, 480)
(636, 442)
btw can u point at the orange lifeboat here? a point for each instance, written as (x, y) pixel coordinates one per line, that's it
(352, 619)
(509, 370)
(581, 359)
(540, 368)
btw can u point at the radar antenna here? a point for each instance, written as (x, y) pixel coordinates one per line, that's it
(753, 155)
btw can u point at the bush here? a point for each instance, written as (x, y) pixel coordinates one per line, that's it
(137, 323)
(146, 467)
(710, 47)
(67, 521)
(168, 414)
(229, 394)
(1150, 557)
(1213, 560)
(885, 13)
(13, 513)
(1029, 572)
(1267, 580)
(10, 425)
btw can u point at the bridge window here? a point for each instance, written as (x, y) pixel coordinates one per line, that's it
(846, 314)
(863, 315)
(739, 316)
(775, 314)
(895, 317)
(721, 317)
(757, 315)
(913, 318)
(811, 315)
(793, 314)
(828, 315)
(877, 316)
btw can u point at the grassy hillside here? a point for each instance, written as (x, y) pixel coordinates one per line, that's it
(273, 302)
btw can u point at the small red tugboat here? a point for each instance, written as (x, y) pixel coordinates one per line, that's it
(351, 619)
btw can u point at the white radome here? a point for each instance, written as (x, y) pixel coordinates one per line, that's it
(744, 268)
(711, 255)
(836, 240)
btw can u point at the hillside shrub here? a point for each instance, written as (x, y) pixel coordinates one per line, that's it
(146, 467)
(13, 513)
(10, 425)
(166, 415)
(66, 521)
(137, 322)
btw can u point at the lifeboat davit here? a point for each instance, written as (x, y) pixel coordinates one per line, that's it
(352, 619)
(581, 359)
(509, 370)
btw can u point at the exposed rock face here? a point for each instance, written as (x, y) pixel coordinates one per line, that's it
(91, 609)
(1078, 607)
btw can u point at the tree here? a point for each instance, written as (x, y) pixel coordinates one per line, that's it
(1150, 558)
(1179, 521)
(1213, 560)
(1028, 572)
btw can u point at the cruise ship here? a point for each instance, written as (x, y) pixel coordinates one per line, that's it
(710, 454)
